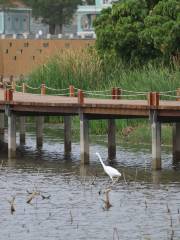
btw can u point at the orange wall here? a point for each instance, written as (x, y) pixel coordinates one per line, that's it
(21, 56)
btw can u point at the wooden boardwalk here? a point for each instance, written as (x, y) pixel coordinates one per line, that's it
(153, 108)
(33, 104)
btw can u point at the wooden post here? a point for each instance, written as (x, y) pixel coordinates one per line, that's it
(113, 93)
(11, 135)
(13, 85)
(153, 99)
(156, 140)
(39, 131)
(71, 91)
(1, 127)
(67, 135)
(43, 89)
(118, 93)
(23, 87)
(80, 97)
(178, 94)
(1, 81)
(111, 139)
(84, 139)
(8, 95)
(176, 143)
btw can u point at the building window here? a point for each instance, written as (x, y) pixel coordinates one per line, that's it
(106, 1)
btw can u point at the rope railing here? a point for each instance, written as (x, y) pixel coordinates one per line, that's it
(114, 93)
(170, 96)
(55, 89)
(33, 88)
(111, 95)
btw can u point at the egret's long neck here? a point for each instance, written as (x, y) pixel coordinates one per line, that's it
(101, 161)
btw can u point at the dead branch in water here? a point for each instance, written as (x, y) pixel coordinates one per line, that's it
(12, 204)
(106, 201)
(32, 196)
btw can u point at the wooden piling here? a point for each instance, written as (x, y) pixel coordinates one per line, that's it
(176, 143)
(22, 122)
(22, 130)
(11, 135)
(39, 131)
(2, 127)
(84, 139)
(111, 139)
(156, 140)
(67, 135)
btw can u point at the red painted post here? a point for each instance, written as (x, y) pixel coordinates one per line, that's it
(178, 94)
(80, 97)
(156, 98)
(1, 82)
(113, 93)
(43, 89)
(13, 85)
(71, 91)
(8, 95)
(118, 93)
(23, 87)
(150, 102)
(153, 99)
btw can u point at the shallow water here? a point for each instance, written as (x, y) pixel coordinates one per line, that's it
(145, 204)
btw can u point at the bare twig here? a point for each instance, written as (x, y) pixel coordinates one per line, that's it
(106, 201)
(12, 204)
(32, 196)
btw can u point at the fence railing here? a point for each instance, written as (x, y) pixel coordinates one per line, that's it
(116, 93)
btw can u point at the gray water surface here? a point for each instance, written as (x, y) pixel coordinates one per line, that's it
(145, 204)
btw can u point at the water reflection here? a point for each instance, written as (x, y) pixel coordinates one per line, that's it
(145, 206)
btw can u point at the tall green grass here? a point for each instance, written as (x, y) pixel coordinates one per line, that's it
(84, 69)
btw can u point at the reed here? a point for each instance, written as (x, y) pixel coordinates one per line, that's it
(85, 70)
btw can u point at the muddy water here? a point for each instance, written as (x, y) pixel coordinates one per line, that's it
(145, 204)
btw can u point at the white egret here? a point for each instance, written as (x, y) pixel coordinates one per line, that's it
(112, 172)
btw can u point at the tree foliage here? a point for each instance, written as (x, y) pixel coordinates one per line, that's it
(139, 30)
(54, 12)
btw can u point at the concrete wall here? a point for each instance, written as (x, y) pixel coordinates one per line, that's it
(21, 56)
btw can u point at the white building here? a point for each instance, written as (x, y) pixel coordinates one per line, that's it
(87, 13)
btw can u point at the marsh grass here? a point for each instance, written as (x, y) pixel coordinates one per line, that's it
(85, 70)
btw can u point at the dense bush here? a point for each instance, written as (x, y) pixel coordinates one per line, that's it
(139, 30)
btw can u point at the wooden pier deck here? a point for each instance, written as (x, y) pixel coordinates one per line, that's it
(158, 111)
(33, 104)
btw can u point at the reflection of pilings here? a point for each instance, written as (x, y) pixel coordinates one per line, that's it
(84, 139)
(83, 170)
(1, 127)
(22, 129)
(39, 131)
(67, 135)
(11, 135)
(176, 143)
(111, 139)
(156, 177)
(156, 141)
